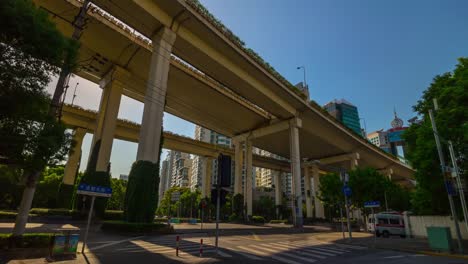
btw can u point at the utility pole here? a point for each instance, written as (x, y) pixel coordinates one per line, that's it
(443, 169)
(345, 178)
(459, 183)
(78, 25)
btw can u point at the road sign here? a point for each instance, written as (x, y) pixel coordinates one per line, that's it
(347, 190)
(93, 190)
(450, 189)
(371, 204)
(175, 196)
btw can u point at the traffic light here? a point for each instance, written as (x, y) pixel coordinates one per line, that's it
(224, 171)
(214, 196)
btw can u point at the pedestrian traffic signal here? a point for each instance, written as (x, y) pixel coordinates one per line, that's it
(222, 198)
(224, 171)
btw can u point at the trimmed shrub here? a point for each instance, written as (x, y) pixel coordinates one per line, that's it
(278, 221)
(126, 227)
(258, 219)
(234, 218)
(113, 215)
(27, 240)
(52, 212)
(7, 215)
(141, 198)
(65, 195)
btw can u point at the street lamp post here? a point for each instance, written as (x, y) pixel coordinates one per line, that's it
(304, 69)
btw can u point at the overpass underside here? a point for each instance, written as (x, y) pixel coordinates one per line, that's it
(170, 56)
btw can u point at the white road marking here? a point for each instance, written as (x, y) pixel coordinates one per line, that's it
(308, 251)
(281, 252)
(114, 243)
(314, 250)
(245, 254)
(299, 251)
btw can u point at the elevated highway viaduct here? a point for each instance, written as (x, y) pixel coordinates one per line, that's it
(172, 56)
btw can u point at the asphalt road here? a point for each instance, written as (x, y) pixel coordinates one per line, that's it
(248, 247)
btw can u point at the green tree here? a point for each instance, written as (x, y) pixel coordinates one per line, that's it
(330, 190)
(47, 187)
(451, 91)
(265, 206)
(31, 51)
(117, 200)
(141, 197)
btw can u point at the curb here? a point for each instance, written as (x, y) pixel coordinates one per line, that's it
(430, 253)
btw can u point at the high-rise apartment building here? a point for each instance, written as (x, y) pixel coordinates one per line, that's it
(181, 169)
(206, 135)
(346, 113)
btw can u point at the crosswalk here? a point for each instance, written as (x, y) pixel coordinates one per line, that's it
(288, 252)
(293, 252)
(187, 247)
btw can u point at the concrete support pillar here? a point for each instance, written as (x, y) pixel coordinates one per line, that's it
(74, 157)
(155, 97)
(206, 177)
(107, 116)
(319, 210)
(278, 191)
(248, 178)
(238, 147)
(308, 195)
(295, 157)
(354, 163)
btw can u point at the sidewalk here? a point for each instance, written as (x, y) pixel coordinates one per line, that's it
(413, 245)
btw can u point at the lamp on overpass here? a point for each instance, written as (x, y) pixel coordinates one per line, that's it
(304, 69)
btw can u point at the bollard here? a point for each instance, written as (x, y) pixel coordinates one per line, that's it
(177, 246)
(201, 247)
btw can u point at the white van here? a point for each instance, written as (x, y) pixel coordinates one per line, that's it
(387, 224)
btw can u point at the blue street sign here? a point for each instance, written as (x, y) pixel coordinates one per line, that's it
(93, 190)
(347, 191)
(450, 190)
(370, 204)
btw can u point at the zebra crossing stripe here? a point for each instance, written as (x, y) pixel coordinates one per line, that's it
(245, 254)
(350, 246)
(299, 251)
(336, 251)
(303, 251)
(280, 252)
(255, 252)
(313, 250)
(324, 246)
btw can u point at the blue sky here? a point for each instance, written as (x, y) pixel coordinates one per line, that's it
(379, 55)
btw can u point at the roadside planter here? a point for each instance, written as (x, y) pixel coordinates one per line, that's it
(174, 221)
(439, 238)
(64, 244)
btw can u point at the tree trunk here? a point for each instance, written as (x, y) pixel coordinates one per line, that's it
(26, 202)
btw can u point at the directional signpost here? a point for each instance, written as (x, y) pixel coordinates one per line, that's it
(372, 205)
(93, 191)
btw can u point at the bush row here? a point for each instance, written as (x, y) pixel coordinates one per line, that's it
(278, 221)
(108, 215)
(28, 240)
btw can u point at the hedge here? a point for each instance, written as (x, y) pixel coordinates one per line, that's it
(127, 227)
(44, 212)
(141, 198)
(258, 219)
(7, 215)
(278, 221)
(27, 240)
